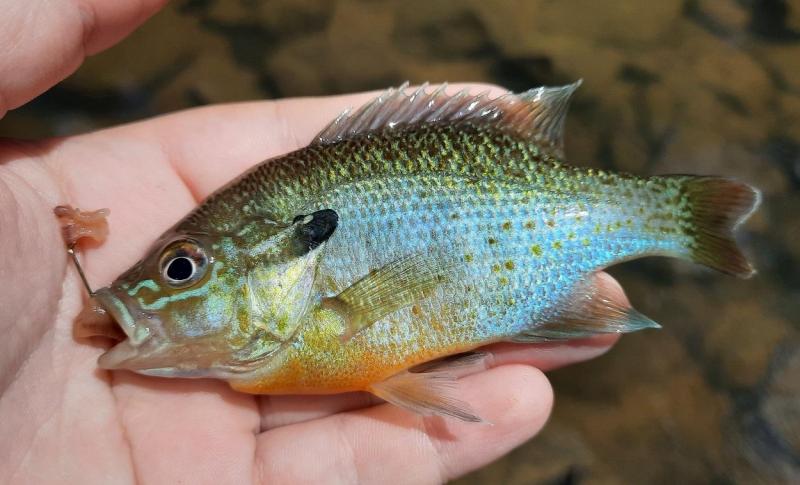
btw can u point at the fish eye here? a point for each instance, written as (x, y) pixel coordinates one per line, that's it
(180, 269)
(183, 263)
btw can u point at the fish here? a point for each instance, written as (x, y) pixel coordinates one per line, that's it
(408, 234)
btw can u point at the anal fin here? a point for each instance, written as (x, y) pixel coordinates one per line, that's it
(591, 311)
(431, 390)
(397, 285)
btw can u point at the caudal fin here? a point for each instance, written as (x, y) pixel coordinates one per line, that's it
(718, 206)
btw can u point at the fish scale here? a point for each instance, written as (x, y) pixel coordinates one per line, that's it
(420, 226)
(425, 196)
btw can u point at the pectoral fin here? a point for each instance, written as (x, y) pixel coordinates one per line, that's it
(397, 285)
(591, 311)
(431, 392)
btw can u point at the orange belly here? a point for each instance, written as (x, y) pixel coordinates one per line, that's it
(324, 364)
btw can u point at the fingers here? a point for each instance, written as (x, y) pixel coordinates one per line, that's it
(49, 40)
(551, 356)
(285, 410)
(385, 444)
(183, 431)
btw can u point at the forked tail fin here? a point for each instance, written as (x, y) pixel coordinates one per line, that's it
(718, 206)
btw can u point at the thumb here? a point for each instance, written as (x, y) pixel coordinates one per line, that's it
(48, 40)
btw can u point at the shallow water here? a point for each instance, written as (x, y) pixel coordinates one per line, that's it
(669, 87)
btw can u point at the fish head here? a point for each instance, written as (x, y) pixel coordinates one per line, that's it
(175, 307)
(201, 305)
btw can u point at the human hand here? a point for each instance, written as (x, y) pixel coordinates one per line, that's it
(64, 420)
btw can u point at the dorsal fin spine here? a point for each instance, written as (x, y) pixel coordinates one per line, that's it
(537, 114)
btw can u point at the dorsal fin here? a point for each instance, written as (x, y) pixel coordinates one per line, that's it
(537, 114)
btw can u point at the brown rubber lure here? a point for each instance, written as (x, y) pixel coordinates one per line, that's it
(77, 224)
(93, 321)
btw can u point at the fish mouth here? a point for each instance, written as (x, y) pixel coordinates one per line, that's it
(127, 324)
(141, 343)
